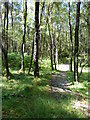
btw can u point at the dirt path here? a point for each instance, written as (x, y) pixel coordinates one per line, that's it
(60, 85)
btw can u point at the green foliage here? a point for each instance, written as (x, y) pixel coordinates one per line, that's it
(82, 86)
(27, 60)
(14, 60)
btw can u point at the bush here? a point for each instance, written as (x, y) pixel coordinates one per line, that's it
(14, 60)
(27, 60)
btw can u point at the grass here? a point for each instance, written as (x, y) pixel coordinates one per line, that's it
(26, 97)
(82, 86)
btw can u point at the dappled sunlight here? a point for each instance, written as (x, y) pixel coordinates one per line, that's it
(86, 70)
(36, 95)
(83, 105)
(51, 94)
(77, 85)
(59, 90)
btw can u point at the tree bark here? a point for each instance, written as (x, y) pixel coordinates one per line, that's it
(54, 44)
(88, 23)
(53, 41)
(42, 13)
(51, 47)
(60, 50)
(12, 26)
(36, 38)
(81, 47)
(2, 34)
(33, 40)
(76, 42)
(57, 51)
(0, 41)
(31, 58)
(23, 44)
(71, 48)
(6, 39)
(40, 41)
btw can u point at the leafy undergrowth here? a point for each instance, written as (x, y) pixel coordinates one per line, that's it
(82, 86)
(26, 97)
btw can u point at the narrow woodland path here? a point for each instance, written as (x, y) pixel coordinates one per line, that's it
(60, 85)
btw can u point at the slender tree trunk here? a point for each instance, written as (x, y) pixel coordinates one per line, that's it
(0, 41)
(88, 23)
(31, 58)
(50, 47)
(36, 69)
(57, 44)
(42, 13)
(2, 34)
(44, 41)
(23, 44)
(57, 51)
(6, 40)
(40, 41)
(81, 47)
(54, 50)
(71, 48)
(51, 53)
(76, 42)
(33, 40)
(12, 27)
(53, 42)
(60, 51)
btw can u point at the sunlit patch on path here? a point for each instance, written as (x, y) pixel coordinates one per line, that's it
(65, 67)
(83, 105)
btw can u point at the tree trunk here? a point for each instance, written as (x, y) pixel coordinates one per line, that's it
(51, 51)
(36, 69)
(2, 34)
(6, 39)
(23, 44)
(0, 42)
(76, 42)
(53, 41)
(54, 50)
(31, 58)
(88, 23)
(57, 51)
(81, 47)
(40, 40)
(50, 47)
(71, 48)
(57, 44)
(12, 27)
(60, 51)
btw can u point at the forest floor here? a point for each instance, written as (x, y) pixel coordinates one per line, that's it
(60, 84)
(53, 95)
